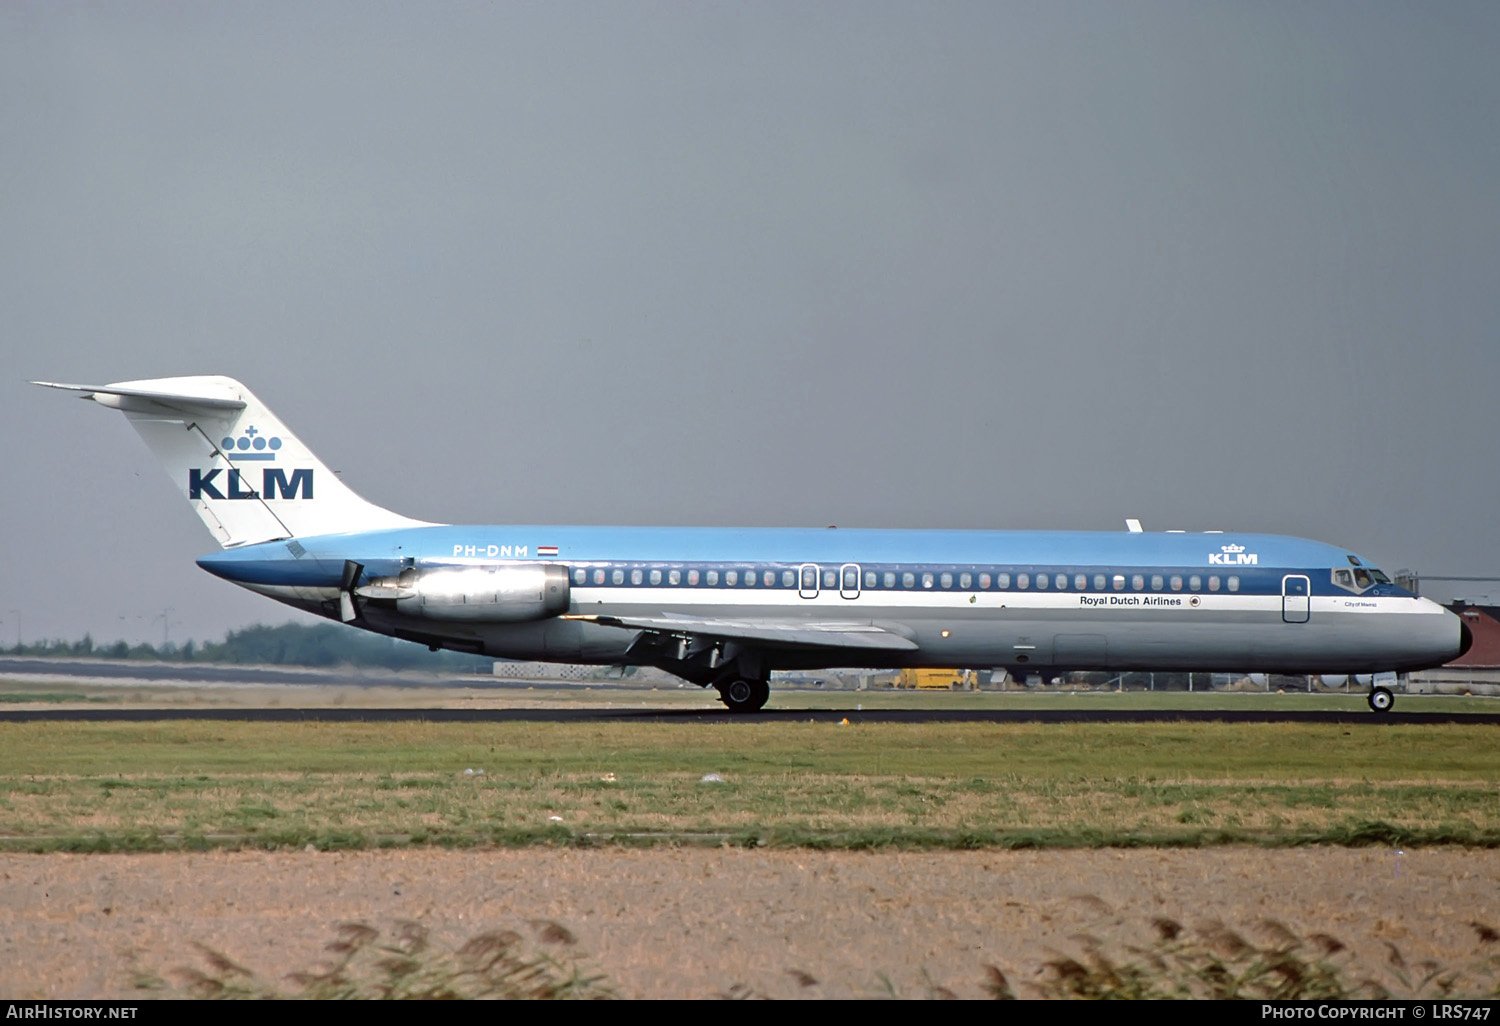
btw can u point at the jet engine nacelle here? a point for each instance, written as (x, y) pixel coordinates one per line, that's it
(503, 593)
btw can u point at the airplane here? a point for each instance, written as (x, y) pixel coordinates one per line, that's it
(722, 608)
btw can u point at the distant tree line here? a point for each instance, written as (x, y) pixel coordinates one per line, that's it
(290, 644)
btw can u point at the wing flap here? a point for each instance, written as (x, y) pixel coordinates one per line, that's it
(772, 633)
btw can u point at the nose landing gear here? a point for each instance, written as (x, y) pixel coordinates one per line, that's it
(1380, 699)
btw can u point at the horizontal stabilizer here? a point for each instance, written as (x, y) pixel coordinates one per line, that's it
(211, 399)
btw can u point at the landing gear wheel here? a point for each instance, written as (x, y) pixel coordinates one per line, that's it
(743, 695)
(1381, 699)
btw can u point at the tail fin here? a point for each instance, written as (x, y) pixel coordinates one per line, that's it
(248, 477)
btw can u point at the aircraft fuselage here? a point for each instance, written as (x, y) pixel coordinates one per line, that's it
(1017, 599)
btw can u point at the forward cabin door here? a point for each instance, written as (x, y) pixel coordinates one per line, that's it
(1296, 598)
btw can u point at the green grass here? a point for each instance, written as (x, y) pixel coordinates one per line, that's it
(1121, 750)
(196, 784)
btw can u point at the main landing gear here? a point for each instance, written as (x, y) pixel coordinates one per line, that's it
(743, 694)
(1380, 699)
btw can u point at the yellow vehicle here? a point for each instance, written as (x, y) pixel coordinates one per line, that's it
(926, 679)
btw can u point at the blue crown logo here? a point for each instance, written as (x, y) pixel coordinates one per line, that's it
(252, 445)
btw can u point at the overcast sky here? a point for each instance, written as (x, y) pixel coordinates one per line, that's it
(989, 265)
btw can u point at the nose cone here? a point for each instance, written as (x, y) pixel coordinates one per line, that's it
(1455, 636)
(1429, 636)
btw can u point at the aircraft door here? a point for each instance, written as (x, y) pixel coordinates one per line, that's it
(849, 580)
(1296, 600)
(808, 580)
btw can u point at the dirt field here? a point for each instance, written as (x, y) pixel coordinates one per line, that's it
(693, 923)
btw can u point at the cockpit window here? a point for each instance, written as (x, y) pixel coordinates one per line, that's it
(1354, 561)
(1360, 579)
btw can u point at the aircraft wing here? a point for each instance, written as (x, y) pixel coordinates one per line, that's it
(768, 633)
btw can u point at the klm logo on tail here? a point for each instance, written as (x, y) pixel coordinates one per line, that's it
(274, 484)
(252, 445)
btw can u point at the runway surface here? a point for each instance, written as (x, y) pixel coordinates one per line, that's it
(220, 673)
(340, 715)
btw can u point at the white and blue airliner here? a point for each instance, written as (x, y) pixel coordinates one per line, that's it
(723, 608)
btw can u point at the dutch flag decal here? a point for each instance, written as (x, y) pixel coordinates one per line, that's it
(546, 550)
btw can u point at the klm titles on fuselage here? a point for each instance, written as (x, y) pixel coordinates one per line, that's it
(1094, 601)
(204, 484)
(1233, 555)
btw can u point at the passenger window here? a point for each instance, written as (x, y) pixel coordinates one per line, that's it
(1041, 581)
(749, 578)
(731, 577)
(1119, 582)
(1023, 581)
(1195, 583)
(926, 580)
(712, 578)
(635, 577)
(580, 576)
(693, 578)
(656, 577)
(1061, 580)
(598, 576)
(889, 579)
(809, 578)
(984, 581)
(1213, 583)
(1002, 581)
(965, 581)
(769, 579)
(946, 580)
(908, 580)
(830, 579)
(1080, 581)
(869, 579)
(1137, 582)
(788, 579)
(1098, 582)
(1176, 583)
(617, 577)
(1234, 583)
(674, 577)
(1156, 582)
